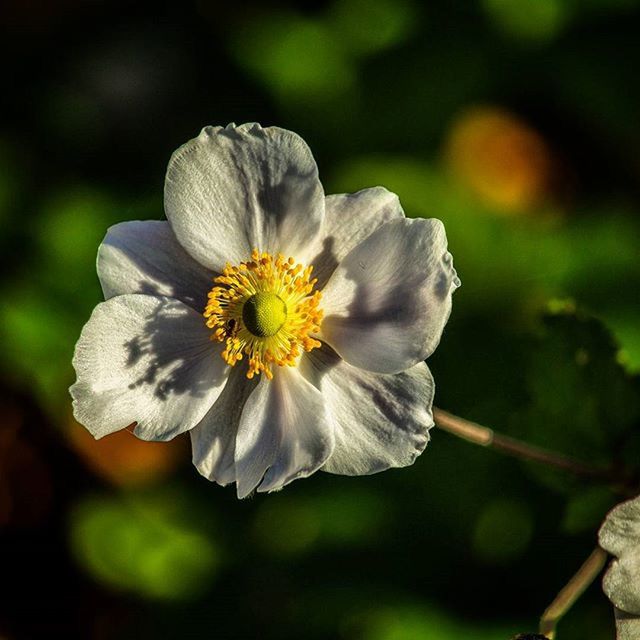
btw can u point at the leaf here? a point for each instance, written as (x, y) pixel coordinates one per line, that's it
(582, 401)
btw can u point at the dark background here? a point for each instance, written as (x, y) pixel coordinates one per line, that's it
(516, 123)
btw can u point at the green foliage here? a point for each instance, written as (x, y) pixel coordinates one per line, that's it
(425, 623)
(528, 20)
(289, 526)
(582, 400)
(149, 544)
(38, 332)
(371, 26)
(586, 510)
(280, 49)
(503, 531)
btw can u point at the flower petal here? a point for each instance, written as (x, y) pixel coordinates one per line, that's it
(285, 433)
(145, 257)
(627, 625)
(381, 420)
(231, 190)
(147, 360)
(620, 536)
(621, 583)
(349, 219)
(621, 529)
(213, 439)
(388, 301)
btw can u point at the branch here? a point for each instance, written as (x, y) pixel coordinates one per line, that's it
(586, 574)
(486, 437)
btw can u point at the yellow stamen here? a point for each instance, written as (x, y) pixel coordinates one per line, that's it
(265, 309)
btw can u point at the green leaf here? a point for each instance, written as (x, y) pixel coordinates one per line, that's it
(582, 402)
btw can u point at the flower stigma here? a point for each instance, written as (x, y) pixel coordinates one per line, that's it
(264, 313)
(265, 309)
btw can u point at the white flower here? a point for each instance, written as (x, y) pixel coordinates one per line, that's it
(620, 536)
(319, 370)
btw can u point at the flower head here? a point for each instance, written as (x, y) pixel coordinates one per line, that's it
(285, 330)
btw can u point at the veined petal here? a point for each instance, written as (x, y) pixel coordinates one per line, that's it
(147, 360)
(231, 190)
(381, 420)
(349, 219)
(145, 257)
(387, 302)
(213, 439)
(285, 433)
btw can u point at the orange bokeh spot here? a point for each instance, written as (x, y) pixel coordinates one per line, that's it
(125, 460)
(505, 162)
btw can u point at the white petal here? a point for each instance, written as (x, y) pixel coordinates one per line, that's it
(213, 439)
(381, 420)
(147, 360)
(231, 190)
(145, 257)
(349, 219)
(620, 536)
(627, 626)
(285, 433)
(621, 528)
(387, 302)
(621, 583)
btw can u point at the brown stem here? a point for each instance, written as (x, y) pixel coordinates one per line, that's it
(486, 437)
(585, 575)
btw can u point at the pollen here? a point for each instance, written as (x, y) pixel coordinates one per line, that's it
(264, 310)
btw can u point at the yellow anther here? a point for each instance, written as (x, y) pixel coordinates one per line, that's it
(264, 309)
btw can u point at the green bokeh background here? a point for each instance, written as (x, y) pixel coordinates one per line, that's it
(454, 106)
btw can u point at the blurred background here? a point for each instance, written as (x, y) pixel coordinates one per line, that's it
(516, 123)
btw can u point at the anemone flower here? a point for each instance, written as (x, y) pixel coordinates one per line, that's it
(285, 330)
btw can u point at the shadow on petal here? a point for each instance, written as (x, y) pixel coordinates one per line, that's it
(170, 370)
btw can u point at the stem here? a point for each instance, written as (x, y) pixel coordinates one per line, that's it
(586, 574)
(486, 437)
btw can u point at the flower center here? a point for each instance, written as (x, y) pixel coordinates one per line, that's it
(263, 314)
(264, 308)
